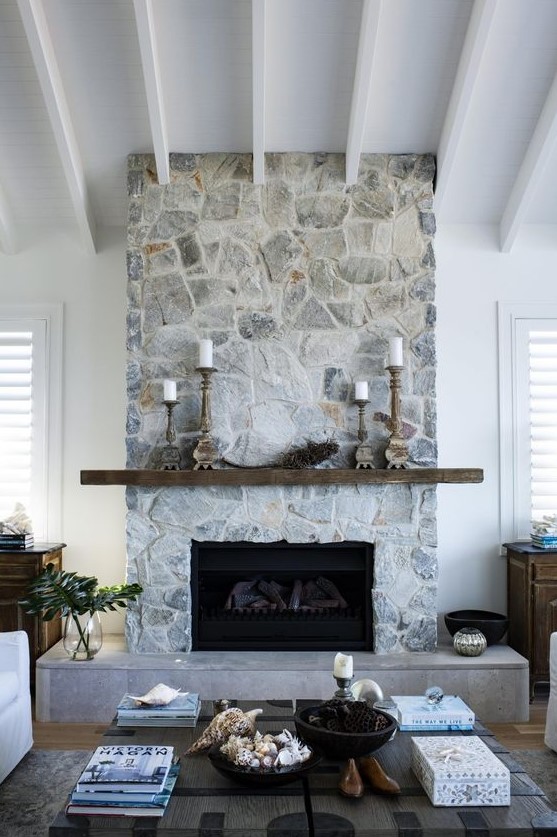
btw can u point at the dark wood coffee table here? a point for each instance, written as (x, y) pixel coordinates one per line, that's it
(206, 804)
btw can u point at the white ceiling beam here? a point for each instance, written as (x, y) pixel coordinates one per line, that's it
(50, 79)
(531, 170)
(144, 18)
(8, 240)
(471, 58)
(369, 27)
(258, 88)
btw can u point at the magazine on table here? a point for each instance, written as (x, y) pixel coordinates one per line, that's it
(124, 803)
(140, 767)
(185, 705)
(415, 713)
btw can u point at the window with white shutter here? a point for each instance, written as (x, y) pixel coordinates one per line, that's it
(528, 415)
(30, 343)
(542, 350)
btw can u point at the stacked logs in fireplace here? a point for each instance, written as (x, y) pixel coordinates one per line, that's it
(315, 595)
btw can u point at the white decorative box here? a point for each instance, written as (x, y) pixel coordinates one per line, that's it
(460, 770)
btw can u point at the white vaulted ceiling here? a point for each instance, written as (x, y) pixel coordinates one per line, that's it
(84, 83)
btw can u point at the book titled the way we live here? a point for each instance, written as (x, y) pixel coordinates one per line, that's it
(415, 713)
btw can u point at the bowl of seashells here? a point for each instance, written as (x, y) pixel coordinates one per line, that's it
(342, 729)
(263, 759)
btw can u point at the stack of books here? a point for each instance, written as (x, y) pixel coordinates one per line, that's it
(182, 711)
(544, 532)
(415, 713)
(11, 541)
(125, 781)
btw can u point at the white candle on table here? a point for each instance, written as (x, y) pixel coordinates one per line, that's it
(206, 353)
(395, 351)
(170, 390)
(344, 666)
(361, 391)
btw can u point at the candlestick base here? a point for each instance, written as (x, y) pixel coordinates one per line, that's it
(364, 457)
(344, 692)
(205, 454)
(170, 458)
(396, 452)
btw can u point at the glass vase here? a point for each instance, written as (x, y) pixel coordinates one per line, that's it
(83, 635)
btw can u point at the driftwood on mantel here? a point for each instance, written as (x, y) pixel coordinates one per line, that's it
(282, 476)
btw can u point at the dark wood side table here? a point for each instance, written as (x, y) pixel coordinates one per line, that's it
(17, 568)
(532, 604)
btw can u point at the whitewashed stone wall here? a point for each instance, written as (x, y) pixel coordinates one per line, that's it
(299, 283)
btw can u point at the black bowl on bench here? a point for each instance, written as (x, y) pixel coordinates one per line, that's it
(492, 625)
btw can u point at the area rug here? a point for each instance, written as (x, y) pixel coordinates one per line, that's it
(35, 792)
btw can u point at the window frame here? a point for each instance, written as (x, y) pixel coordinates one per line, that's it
(514, 321)
(50, 316)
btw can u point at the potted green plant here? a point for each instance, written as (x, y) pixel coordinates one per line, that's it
(79, 599)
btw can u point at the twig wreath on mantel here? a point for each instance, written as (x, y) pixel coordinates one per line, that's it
(311, 454)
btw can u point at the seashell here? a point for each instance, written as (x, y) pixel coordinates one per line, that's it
(230, 722)
(159, 695)
(285, 758)
(367, 690)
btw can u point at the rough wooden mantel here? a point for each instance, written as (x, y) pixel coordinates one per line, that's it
(282, 476)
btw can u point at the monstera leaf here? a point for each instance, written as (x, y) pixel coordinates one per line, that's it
(56, 592)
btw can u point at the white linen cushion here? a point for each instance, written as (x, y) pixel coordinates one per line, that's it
(9, 686)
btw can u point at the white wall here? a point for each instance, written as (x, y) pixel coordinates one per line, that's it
(52, 268)
(472, 275)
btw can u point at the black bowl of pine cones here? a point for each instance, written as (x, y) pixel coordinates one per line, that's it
(343, 729)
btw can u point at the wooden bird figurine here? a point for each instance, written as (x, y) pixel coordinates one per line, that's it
(230, 722)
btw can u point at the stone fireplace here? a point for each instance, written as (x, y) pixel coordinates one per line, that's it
(300, 283)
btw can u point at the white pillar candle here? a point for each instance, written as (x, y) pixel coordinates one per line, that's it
(206, 353)
(361, 391)
(395, 352)
(344, 666)
(170, 390)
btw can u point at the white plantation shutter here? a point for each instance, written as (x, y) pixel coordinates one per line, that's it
(542, 351)
(22, 417)
(527, 415)
(30, 414)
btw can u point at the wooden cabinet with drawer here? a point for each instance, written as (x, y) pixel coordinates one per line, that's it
(532, 604)
(17, 569)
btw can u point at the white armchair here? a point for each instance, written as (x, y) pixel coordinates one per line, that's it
(551, 717)
(16, 730)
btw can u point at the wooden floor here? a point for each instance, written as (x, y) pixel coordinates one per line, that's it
(526, 736)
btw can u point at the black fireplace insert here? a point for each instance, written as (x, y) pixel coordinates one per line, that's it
(281, 596)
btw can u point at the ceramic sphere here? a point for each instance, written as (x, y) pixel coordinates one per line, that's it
(469, 642)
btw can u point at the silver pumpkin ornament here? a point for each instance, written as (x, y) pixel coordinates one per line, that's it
(469, 642)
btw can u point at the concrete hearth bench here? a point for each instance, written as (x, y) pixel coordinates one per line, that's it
(495, 684)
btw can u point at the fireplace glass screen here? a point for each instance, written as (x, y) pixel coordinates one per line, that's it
(281, 596)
